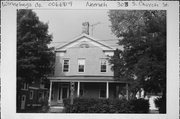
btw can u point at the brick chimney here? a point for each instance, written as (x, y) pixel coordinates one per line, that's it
(85, 28)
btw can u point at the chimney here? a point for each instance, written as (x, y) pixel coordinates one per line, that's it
(85, 28)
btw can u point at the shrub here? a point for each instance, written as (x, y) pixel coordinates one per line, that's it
(160, 103)
(91, 105)
(140, 105)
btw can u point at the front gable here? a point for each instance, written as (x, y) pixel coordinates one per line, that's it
(85, 41)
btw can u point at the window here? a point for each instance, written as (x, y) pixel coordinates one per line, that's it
(81, 92)
(81, 65)
(23, 98)
(31, 94)
(66, 66)
(25, 86)
(84, 46)
(102, 91)
(81, 89)
(103, 65)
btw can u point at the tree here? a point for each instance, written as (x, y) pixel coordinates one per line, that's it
(143, 57)
(34, 57)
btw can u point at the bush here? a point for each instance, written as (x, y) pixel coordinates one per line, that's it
(157, 102)
(91, 105)
(140, 105)
(161, 104)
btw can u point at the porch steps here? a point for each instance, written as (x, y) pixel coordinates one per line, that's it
(56, 109)
(154, 111)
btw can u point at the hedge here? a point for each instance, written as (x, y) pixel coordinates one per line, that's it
(160, 104)
(91, 105)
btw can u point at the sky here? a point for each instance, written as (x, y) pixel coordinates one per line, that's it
(65, 25)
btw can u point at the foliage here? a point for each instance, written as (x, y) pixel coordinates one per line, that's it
(91, 105)
(143, 57)
(34, 57)
(140, 105)
(160, 104)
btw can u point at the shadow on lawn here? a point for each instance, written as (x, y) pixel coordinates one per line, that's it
(43, 109)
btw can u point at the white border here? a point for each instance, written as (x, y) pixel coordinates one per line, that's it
(8, 66)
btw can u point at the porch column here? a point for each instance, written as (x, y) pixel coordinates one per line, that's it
(127, 92)
(78, 89)
(50, 90)
(107, 89)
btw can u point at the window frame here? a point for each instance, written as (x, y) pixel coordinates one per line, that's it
(101, 87)
(101, 60)
(25, 86)
(81, 91)
(79, 65)
(68, 65)
(31, 94)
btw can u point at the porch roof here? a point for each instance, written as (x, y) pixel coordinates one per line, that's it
(86, 79)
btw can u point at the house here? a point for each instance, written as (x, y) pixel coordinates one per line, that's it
(82, 70)
(30, 95)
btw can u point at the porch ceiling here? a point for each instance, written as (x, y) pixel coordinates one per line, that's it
(86, 79)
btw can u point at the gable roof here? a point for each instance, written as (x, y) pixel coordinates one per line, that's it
(79, 38)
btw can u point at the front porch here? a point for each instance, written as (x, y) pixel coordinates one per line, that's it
(61, 89)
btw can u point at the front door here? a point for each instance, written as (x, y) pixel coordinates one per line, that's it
(23, 101)
(63, 93)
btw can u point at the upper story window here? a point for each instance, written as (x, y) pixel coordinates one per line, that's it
(66, 66)
(25, 86)
(81, 65)
(103, 65)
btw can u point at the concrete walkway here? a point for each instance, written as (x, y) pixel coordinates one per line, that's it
(153, 111)
(56, 109)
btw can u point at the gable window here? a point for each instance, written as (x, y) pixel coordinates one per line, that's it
(84, 45)
(103, 65)
(31, 94)
(81, 65)
(66, 66)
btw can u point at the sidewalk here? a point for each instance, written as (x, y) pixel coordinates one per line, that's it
(56, 109)
(153, 111)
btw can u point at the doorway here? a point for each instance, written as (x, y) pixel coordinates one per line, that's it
(63, 93)
(23, 101)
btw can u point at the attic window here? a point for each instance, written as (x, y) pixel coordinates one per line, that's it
(84, 45)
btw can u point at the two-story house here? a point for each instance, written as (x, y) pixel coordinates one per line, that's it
(83, 63)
